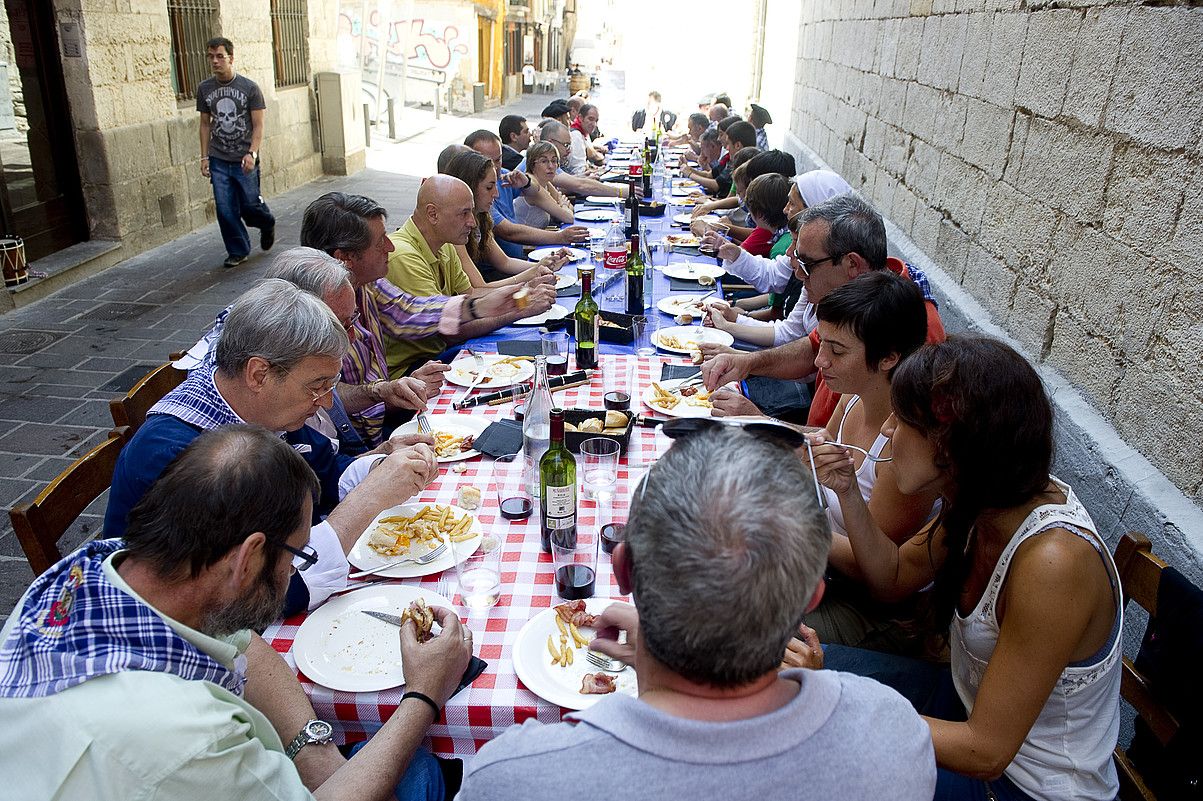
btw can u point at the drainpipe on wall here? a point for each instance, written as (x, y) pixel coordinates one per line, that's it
(758, 49)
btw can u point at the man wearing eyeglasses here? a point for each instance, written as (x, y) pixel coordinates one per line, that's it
(276, 362)
(837, 241)
(559, 135)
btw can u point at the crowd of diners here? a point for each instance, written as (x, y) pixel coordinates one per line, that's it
(935, 616)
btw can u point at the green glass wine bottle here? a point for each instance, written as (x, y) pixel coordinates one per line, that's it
(587, 321)
(557, 488)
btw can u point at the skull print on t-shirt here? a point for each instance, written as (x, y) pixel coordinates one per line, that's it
(229, 107)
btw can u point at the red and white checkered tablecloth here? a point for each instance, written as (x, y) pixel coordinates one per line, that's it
(497, 699)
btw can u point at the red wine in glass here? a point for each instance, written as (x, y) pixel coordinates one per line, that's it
(517, 508)
(611, 535)
(575, 581)
(557, 365)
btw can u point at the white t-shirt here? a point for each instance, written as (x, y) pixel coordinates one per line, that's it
(577, 159)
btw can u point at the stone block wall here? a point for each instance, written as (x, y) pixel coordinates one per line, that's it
(139, 147)
(1048, 156)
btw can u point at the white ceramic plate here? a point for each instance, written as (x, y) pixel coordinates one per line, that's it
(595, 214)
(565, 280)
(340, 647)
(603, 200)
(463, 370)
(460, 425)
(685, 240)
(687, 201)
(688, 219)
(690, 336)
(692, 270)
(685, 184)
(597, 233)
(555, 684)
(574, 254)
(678, 304)
(554, 313)
(682, 409)
(364, 558)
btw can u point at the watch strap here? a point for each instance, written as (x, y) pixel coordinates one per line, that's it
(425, 699)
(304, 738)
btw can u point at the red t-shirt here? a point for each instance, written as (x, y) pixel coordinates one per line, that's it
(759, 242)
(825, 400)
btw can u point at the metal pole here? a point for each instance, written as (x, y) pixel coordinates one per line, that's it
(392, 118)
(367, 124)
(386, 31)
(437, 113)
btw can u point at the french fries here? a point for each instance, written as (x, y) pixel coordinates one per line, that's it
(396, 534)
(563, 654)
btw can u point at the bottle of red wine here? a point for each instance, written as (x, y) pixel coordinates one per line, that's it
(635, 270)
(633, 205)
(557, 488)
(586, 322)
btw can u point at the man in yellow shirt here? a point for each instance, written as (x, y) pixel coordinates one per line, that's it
(425, 263)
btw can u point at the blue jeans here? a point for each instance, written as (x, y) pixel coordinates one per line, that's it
(423, 780)
(237, 196)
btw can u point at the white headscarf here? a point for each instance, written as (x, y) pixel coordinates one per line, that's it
(818, 186)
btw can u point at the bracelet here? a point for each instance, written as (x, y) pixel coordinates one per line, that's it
(374, 390)
(425, 699)
(472, 309)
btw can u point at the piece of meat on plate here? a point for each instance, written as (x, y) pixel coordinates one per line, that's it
(597, 684)
(574, 612)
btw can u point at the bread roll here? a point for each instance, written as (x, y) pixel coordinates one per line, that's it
(616, 419)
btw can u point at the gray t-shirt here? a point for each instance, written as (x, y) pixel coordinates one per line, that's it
(842, 736)
(229, 107)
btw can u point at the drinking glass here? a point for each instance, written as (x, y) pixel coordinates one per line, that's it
(555, 348)
(600, 458)
(574, 555)
(612, 523)
(514, 501)
(478, 568)
(646, 328)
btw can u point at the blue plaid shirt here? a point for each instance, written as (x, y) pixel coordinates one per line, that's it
(73, 624)
(197, 402)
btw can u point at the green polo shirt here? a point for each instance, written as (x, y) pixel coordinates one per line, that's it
(142, 735)
(419, 271)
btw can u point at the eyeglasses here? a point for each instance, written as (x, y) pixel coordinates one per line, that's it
(767, 428)
(548, 161)
(351, 321)
(560, 142)
(809, 266)
(307, 555)
(318, 394)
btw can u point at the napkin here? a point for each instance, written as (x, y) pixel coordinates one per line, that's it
(520, 347)
(573, 291)
(777, 397)
(500, 438)
(683, 285)
(671, 372)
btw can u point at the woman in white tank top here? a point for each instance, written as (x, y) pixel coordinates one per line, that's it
(1029, 591)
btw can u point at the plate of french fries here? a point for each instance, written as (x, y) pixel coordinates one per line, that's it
(687, 339)
(549, 658)
(340, 647)
(412, 530)
(675, 400)
(499, 371)
(453, 434)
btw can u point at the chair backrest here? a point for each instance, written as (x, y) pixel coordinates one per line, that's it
(41, 523)
(130, 412)
(1140, 576)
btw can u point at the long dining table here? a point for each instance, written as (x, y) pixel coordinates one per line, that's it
(497, 699)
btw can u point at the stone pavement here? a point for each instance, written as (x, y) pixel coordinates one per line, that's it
(63, 358)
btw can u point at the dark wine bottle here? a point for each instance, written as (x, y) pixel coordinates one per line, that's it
(635, 269)
(586, 318)
(557, 488)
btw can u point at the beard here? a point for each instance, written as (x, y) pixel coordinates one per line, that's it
(255, 613)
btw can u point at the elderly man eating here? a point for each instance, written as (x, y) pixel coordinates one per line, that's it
(275, 363)
(721, 573)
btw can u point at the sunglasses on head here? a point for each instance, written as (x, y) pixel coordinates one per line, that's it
(764, 427)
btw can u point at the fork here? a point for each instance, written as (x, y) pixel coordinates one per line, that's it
(604, 662)
(424, 559)
(859, 449)
(478, 373)
(423, 424)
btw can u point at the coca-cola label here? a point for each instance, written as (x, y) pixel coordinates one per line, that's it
(616, 259)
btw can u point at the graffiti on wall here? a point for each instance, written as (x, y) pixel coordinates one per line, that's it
(431, 45)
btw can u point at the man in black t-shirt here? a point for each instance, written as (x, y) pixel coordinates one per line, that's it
(231, 131)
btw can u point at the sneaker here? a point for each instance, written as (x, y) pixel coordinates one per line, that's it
(267, 237)
(233, 261)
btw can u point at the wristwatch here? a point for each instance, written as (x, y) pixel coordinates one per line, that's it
(253, 154)
(315, 731)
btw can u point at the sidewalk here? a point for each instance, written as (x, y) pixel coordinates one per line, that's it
(64, 357)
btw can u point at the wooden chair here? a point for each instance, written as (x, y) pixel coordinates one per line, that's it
(1140, 576)
(41, 523)
(130, 412)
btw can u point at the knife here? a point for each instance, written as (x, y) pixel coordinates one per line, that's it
(387, 618)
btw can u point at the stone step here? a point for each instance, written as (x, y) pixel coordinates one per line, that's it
(61, 270)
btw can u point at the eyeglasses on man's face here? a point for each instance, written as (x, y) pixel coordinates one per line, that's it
(808, 267)
(307, 555)
(328, 385)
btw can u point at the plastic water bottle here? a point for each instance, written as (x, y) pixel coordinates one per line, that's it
(659, 173)
(536, 427)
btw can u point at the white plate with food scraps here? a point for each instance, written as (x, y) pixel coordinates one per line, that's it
(670, 400)
(364, 557)
(594, 214)
(687, 201)
(565, 280)
(555, 683)
(682, 240)
(689, 219)
(499, 371)
(693, 270)
(556, 312)
(449, 431)
(604, 200)
(686, 338)
(680, 304)
(340, 647)
(573, 254)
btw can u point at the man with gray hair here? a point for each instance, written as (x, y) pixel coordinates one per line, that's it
(837, 241)
(722, 559)
(275, 364)
(559, 135)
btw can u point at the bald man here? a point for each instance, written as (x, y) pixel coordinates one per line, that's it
(425, 263)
